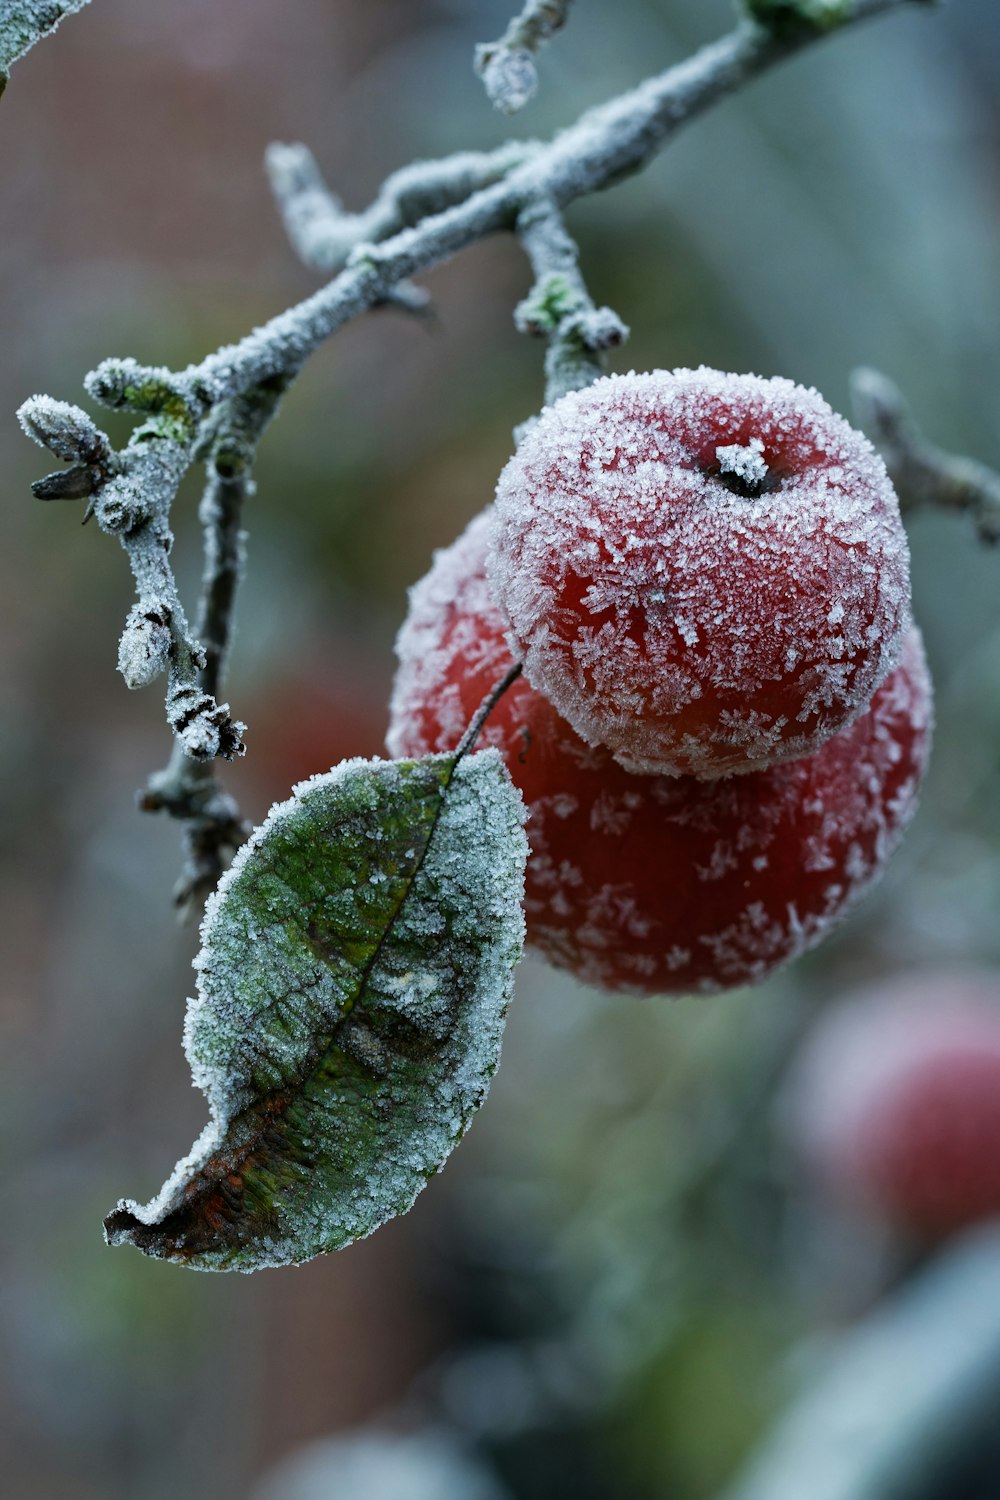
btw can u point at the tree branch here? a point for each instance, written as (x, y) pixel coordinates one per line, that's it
(903, 1397)
(188, 789)
(323, 233)
(559, 306)
(922, 473)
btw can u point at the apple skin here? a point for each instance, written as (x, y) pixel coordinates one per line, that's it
(661, 884)
(894, 1102)
(706, 573)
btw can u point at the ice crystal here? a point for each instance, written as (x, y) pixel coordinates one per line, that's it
(671, 553)
(661, 883)
(25, 22)
(346, 1028)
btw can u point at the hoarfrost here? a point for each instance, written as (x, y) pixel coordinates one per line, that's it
(662, 884)
(144, 648)
(25, 22)
(746, 461)
(352, 991)
(704, 572)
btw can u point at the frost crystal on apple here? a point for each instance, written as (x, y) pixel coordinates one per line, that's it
(354, 977)
(669, 549)
(662, 884)
(745, 460)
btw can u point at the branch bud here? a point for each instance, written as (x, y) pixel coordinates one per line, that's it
(65, 430)
(76, 483)
(202, 725)
(598, 328)
(144, 649)
(119, 508)
(509, 76)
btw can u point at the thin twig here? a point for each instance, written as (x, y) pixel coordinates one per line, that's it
(323, 233)
(188, 789)
(559, 306)
(605, 145)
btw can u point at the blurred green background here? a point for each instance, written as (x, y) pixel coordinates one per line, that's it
(608, 1289)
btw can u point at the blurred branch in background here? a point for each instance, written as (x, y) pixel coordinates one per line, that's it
(906, 1396)
(377, 1463)
(924, 475)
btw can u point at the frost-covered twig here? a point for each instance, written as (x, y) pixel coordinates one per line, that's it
(130, 494)
(323, 233)
(559, 306)
(381, 248)
(507, 66)
(187, 789)
(922, 473)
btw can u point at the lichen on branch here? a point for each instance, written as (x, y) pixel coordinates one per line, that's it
(559, 307)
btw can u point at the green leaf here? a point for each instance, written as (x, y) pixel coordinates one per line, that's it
(356, 968)
(25, 22)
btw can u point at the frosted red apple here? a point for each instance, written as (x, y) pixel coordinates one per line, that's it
(660, 884)
(705, 573)
(896, 1100)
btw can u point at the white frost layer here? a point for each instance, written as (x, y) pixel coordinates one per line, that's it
(269, 1007)
(689, 628)
(660, 884)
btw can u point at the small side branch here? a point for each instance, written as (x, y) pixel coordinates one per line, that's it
(323, 234)
(507, 66)
(559, 307)
(923, 474)
(188, 789)
(130, 494)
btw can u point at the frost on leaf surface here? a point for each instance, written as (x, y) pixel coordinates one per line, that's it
(24, 22)
(355, 972)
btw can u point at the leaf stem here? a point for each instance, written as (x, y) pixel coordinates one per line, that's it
(489, 703)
